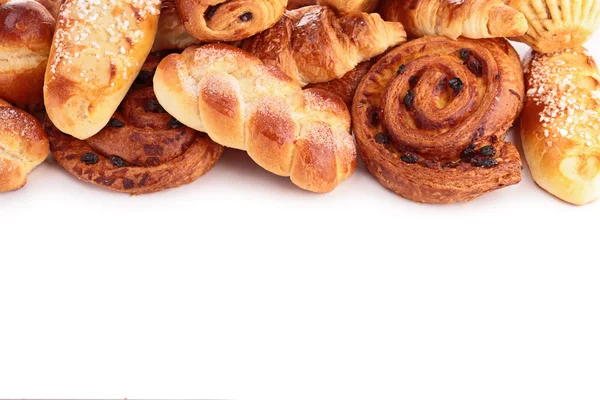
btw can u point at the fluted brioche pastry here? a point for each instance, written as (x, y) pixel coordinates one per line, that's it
(560, 124)
(171, 34)
(347, 6)
(431, 116)
(97, 52)
(473, 19)
(26, 30)
(23, 146)
(142, 150)
(229, 20)
(346, 86)
(315, 44)
(556, 25)
(242, 103)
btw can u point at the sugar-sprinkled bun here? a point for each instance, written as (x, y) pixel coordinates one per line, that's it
(26, 30)
(23, 146)
(560, 124)
(97, 52)
(242, 103)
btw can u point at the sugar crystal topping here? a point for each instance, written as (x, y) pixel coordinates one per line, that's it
(78, 32)
(552, 85)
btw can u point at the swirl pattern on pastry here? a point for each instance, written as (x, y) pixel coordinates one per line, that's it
(141, 150)
(431, 116)
(229, 20)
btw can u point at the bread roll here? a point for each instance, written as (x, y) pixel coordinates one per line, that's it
(241, 103)
(316, 44)
(97, 52)
(26, 30)
(560, 124)
(23, 146)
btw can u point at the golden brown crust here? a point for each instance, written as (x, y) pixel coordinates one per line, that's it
(556, 25)
(142, 150)
(229, 20)
(293, 4)
(26, 30)
(473, 19)
(171, 34)
(23, 146)
(347, 6)
(97, 51)
(316, 44)
(346, 86)
(244, 104)
(560, 124)
(53, 6)
(431, 116)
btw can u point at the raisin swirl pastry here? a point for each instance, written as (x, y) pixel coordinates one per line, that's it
(229, 20)
(141, 150)
(431, 116)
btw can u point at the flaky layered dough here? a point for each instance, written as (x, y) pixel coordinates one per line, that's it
(431, 116)
(346, 86)
(97, 51)
(229, 20)
(26, 30)
(351, 5)
(23, 146)
(560, 124)
(558, 24)
(242, 103)
(171, 34)
(473, 19)
(142, 150)
(316, 44)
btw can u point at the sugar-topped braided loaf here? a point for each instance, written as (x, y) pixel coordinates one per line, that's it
(242, 103)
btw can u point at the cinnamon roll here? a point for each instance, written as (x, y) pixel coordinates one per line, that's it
(431, 116)
(229, 20)
(141, 150)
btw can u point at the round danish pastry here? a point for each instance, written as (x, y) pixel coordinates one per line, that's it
(141, 150)
(431, 116)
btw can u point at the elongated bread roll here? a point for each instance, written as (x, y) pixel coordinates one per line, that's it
(98, 50)
(560, 124)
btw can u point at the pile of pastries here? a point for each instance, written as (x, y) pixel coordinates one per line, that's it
(139, 96)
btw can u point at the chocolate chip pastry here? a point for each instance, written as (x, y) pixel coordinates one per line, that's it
(142, 150)
(431, 116)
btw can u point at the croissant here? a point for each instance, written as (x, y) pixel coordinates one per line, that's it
(229, 20)
(293, 4)
(555, 25)
(431, 116)
(560, 124)
(351, 5)
(241, 103)
(345, 87)
(315, 44)
(473, 19)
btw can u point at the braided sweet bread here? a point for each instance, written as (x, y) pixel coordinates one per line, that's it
(316, 44)
(431, 116)
(23, 146)
(229, 20)
(141, 150)
(242, 103)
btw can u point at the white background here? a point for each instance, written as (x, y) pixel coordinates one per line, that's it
(242, 286)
